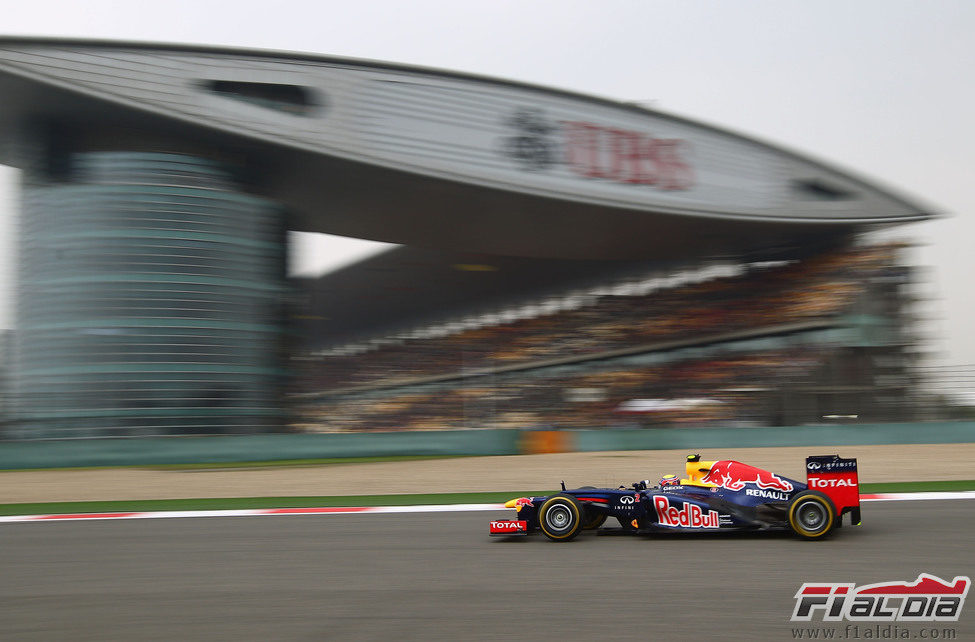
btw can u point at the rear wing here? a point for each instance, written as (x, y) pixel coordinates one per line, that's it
(836, 478)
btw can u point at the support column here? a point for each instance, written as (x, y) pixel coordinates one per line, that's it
(150, 299)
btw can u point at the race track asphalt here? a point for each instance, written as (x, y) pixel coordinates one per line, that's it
(440, 577)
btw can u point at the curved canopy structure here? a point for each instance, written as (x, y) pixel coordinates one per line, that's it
(160, 181)
(444, 160)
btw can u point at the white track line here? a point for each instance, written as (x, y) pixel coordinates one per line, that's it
(251, 512)
(358, 510)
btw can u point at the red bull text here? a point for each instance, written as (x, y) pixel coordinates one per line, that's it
(691, 516)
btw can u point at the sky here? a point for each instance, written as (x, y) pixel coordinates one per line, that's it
(880, 87)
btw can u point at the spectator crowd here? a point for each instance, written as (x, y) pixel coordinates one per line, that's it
(424, 384)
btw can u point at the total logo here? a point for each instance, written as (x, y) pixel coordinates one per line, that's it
(820, 482)
(926, 599)
(508, 526)
(690, 516)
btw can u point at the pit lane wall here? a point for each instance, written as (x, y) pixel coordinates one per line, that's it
(250, 448)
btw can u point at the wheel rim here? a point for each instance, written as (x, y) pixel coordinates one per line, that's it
(812, 515)
(558, 518)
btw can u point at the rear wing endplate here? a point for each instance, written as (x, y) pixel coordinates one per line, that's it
(836, 478)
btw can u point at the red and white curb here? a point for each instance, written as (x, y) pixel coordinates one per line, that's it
(254, 512)
(384, 510)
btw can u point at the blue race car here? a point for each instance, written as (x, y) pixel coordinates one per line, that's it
(720, 495)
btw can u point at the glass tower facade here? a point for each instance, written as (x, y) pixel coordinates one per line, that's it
(150, 300)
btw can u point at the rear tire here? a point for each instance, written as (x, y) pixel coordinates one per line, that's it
(812, 515)
(560, 518)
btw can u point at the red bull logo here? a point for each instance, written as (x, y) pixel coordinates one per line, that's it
(523, 501)
(690, 516)
(735, 475)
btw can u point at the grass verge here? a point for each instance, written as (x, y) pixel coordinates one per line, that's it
(230, 503)
(918, 487)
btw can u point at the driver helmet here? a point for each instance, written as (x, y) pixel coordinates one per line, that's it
(669, 480)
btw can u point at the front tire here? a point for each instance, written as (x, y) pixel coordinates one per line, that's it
(560, 518)
(812, 515)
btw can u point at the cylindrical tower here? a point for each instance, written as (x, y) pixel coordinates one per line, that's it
(150, 299)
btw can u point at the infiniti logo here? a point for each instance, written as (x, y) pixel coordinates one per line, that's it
(627, 500)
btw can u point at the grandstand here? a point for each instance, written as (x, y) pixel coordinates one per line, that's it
(815, 338)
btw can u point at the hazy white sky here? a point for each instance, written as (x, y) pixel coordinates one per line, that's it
(882, 87)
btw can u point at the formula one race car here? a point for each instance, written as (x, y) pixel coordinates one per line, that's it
(716, 495)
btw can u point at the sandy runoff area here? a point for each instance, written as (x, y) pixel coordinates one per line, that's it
(928, 462)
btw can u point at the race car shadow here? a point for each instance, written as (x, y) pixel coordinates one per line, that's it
(661, 535)
(686, 535)
(676, 536)
(665, 534)
(756, 534)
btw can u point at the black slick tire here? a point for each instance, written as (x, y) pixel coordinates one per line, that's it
(560, 518)
(812, 515)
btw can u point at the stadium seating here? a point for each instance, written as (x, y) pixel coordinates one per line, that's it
(536, 371)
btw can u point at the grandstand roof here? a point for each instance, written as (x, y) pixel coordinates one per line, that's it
(409, 287)
(468, 170)
(439, 159)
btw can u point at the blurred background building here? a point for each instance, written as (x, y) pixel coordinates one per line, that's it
(564, 261)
